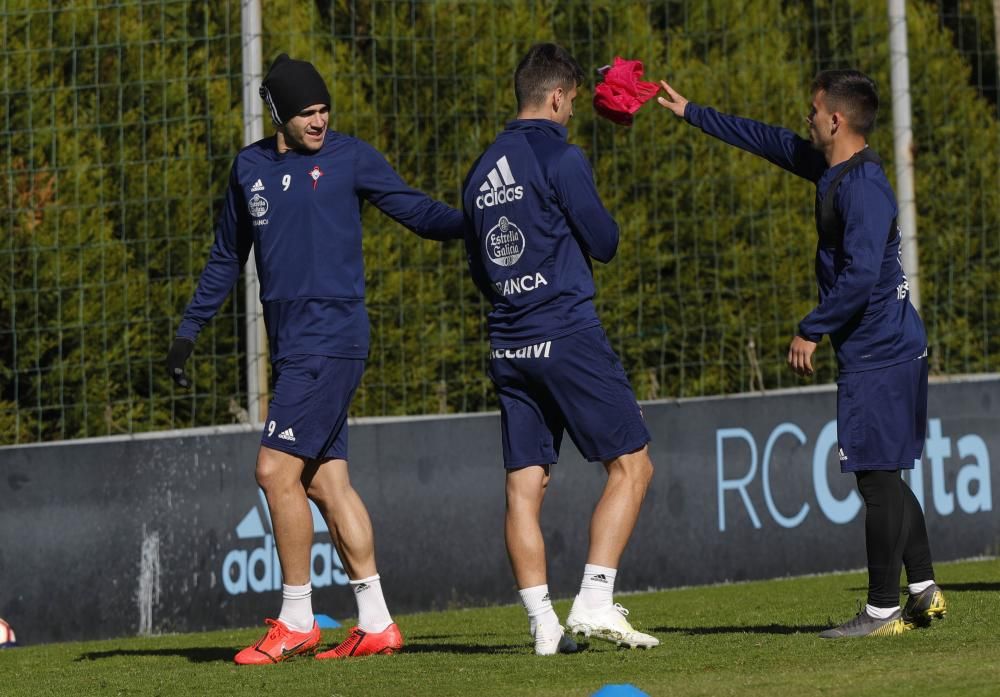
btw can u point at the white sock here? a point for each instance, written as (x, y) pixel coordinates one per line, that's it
(297, 607)
(915, 588)
(373, 615)
(598, 586)
(880, 613)
(539, 607)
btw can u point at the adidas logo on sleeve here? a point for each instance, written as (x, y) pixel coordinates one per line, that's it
(499, 186)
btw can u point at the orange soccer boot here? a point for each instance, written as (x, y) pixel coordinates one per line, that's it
(362, 643)
(279, 644)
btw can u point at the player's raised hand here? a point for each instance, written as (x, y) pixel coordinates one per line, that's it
(178, 354)
(673, 101)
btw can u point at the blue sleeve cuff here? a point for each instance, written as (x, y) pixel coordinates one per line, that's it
(189, 330)
(691, 113)
(809, 336)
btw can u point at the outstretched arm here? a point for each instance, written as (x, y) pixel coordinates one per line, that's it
(378, 182)
(777, 145)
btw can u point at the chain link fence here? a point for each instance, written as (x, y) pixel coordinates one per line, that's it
(120, 121)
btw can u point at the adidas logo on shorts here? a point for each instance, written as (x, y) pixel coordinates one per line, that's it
(287, 435)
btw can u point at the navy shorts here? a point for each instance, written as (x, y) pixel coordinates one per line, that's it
(308, 411)
(574, 383)
(882, 417)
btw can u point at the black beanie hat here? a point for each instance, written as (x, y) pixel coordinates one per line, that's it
(290, 86)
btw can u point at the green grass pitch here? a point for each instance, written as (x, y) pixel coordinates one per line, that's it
(738, 639)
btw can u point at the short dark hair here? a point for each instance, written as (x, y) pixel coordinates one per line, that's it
(853, 93)
(544, 68)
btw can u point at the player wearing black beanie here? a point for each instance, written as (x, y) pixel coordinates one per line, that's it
(290, 86)
(295, 199)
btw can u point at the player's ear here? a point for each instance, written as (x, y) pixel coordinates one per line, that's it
(558, 95)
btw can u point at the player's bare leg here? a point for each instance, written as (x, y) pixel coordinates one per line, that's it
(594, 611)
(329, 485)
(522, 524)
(617, 510)
(279, 475)
(526, 548)
(295, 631)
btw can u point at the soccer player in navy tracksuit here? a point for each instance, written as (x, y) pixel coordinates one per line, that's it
(296, 199)
(535, 223)
(877, 334)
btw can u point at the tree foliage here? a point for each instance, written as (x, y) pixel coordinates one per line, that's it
(121, 121)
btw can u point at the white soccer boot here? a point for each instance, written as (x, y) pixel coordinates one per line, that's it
(608, 623)
(549, 643)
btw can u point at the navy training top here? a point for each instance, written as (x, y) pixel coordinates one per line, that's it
(864, 303)
(301, 212)
(534, 222)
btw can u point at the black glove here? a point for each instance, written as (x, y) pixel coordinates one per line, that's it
(176, 357)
